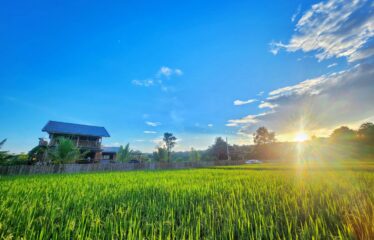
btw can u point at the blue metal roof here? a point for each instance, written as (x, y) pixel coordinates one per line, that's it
(77, 129)
(110, 149)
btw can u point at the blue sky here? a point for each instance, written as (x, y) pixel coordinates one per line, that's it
(141, 68)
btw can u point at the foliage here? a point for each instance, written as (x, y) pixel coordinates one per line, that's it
(160, 155)
(5, 157)
(124, 154)
(343, 134)
(194, 155)
(267, 201)
(142, 157)
(170, 142)
(263, 136)
(218, 151)
(366, 132)
(37, 154)
(65, 151)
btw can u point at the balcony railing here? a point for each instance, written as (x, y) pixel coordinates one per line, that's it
(83, 144)
(88, 144)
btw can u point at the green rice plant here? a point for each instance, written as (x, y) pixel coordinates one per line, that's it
(266, 201)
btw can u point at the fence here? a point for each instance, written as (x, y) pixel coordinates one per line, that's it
(77, 168)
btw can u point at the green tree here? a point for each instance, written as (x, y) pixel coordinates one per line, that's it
(170, 142)
(65, 152)
(160, 155)
(218, 151)
(124, 154)
(264, 144)
(366, 132)
(343, 134)
(4, 155)
(194, 155)
(37, 154)
(263, 136)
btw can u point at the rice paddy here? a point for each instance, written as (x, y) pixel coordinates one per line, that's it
(265, 201)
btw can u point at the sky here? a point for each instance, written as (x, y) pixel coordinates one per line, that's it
(195, 69)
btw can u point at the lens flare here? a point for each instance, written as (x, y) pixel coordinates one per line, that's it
(301, 137)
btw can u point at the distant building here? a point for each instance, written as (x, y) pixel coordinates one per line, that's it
(87, 138)
(109, 153)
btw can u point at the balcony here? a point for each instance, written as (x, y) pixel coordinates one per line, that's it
(83, 144)
(88, 144)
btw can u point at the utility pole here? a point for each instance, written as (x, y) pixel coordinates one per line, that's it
(227, 149)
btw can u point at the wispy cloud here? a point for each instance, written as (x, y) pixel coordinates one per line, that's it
(150, 132)
(332, 65)
(164, 73)
(321, 103)
(143, 83)
(296, 14)
(335, 28)
(240, 102)
(167, 72)
(210, 125)
(153, 124)
(250, 119)
(267, 105)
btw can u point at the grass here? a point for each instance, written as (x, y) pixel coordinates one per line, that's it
(265, 201)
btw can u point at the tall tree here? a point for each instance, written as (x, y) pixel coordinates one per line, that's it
(218, 150)
(264, 140)
(170, 142)
(263, 136)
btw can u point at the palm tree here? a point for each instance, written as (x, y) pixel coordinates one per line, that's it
(124, 153)
(4, 156)
(65, 152)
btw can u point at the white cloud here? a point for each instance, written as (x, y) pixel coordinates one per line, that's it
(143, 83)
(150, 132)
(267, 105)
(153, 124)
(240, 102)
(158, 79)
(250, 119)
(210, 125)
(158, 141)
(330, 29)
(320, 103)
(166, 71)
(296, 14)
(260, 93)
(332, 65)
(178, 72)
(335, 28)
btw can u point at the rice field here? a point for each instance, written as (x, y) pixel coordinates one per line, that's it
(265, 201)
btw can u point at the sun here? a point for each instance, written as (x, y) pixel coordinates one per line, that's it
(301, 137)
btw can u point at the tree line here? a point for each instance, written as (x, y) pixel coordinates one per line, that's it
(344, 142)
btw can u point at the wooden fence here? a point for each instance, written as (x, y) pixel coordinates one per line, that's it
(96, 167)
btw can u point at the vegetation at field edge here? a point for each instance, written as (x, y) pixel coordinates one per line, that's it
(266, 201)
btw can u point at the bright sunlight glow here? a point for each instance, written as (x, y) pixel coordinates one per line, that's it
(301, 137)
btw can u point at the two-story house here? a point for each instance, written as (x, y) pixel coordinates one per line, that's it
(87, 138)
